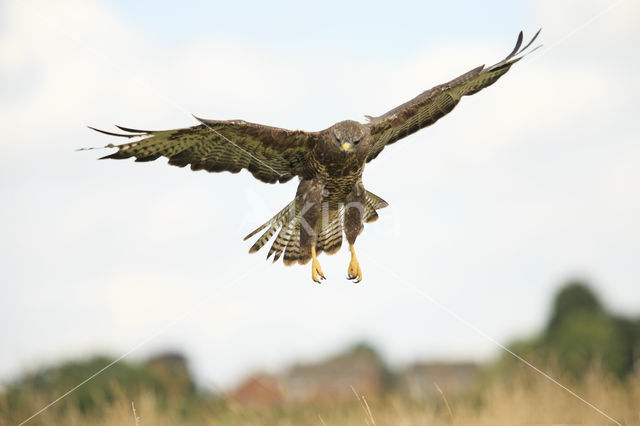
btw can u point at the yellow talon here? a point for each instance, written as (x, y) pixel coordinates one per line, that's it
(354, 272)
(316, 270)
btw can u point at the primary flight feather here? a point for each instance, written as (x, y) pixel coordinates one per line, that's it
(331, 198)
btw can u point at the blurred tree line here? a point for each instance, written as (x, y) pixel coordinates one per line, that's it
(165, 376)
(579, 333)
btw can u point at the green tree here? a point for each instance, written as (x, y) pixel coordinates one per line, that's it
(581, 331)
(575, 298)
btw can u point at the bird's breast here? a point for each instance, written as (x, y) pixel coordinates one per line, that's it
(338, 175)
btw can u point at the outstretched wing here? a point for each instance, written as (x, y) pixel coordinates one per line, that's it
(271, 154)
(428, 107)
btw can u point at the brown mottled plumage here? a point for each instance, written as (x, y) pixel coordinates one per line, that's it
(331, 198)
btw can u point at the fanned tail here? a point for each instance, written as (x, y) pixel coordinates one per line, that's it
(287, 224)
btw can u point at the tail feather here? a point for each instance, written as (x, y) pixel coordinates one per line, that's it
(330, 238)
(282, 217)
(292, 252)
(287, 225)
(263, 239)
(373, 203)
(281, 242)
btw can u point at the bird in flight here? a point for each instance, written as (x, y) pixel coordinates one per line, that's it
(331, 198)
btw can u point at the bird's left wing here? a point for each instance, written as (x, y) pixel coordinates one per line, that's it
(271, 154)
(428, 107)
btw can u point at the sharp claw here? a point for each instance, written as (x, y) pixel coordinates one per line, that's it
(355, 267)
(357, 277)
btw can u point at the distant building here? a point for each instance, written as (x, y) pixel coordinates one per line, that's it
(332, 380)
(419, 380)
(259, 389)
(359, 368)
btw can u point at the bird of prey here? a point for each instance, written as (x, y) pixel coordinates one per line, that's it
(331, 198)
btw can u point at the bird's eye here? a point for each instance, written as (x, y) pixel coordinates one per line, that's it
(357, 142)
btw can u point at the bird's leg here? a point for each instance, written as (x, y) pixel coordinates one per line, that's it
(316, 270)
(354, 272)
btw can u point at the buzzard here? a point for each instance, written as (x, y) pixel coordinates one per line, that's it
(331, 198)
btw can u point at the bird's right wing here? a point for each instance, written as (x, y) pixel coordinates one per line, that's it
(271, 154)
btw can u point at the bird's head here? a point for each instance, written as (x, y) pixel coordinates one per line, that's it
(349, 136)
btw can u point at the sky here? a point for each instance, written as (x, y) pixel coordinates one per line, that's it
(529, 183)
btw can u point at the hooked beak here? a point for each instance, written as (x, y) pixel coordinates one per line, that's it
(346, 148)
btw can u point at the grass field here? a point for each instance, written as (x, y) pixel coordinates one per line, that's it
(528, 399)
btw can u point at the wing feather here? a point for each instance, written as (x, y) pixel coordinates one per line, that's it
(270, 154)
(435, 103)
